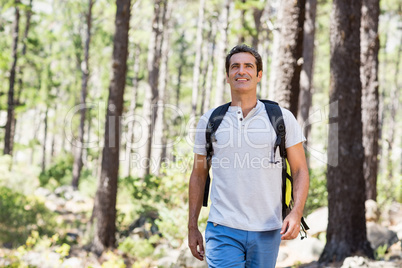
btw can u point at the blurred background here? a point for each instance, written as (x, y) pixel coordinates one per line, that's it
(78, 76)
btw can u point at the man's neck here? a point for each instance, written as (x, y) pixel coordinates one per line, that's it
(246, 104)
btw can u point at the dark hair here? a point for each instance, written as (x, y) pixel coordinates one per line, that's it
(244, 48)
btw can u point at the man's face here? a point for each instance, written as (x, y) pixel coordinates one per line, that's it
(243, 75)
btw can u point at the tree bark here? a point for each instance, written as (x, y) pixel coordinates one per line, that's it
(261, 42)
(133, 106)
(370, 98)
(44, 143)
(160, 123)
(150, 104)
(182, 63)
(346, 232)
(10, 124)
(24, 52)
(290, 54)
(258, 15)
(306, 76)
(393, 108)
(221, 53)
(77, 166)
(242, 39)
(105, 200)
(197, 62)
(210, 50)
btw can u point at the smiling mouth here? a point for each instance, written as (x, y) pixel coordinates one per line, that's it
(242, 79)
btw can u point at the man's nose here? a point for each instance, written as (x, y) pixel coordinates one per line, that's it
(241, 69)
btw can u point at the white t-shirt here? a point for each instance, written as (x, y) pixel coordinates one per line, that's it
(246, 190)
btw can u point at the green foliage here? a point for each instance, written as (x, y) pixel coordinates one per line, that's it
(20, 215)
(114, 261)
(318, 194)
(60, 173)
(136, 248)
(379, 253)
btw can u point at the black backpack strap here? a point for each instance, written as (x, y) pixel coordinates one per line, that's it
(213, 123)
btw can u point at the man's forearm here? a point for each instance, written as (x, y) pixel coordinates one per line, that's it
(300, 191)
(196, 194)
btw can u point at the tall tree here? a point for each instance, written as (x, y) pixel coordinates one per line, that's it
(24, 50)
(152, 96)
(209, 66)
(160, 124)
(84, 66)
(181, 65)
(221, 52)
(132, 108)
(306, 75)
(44, 143)
(370, 98)
(290, 54)
(393, 109)
(260, 16)
(243, 22)
(261, 41)
(104, 212)
(197, 62)
(346, 233)
(10, 124)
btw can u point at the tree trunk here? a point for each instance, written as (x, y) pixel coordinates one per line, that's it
(182, 63)
(133, 106)
(197, 62)
(306, 76)
(221, 53)
(154, 58)
(105, 200)
(287, 83)
(370, 98)
(43, 166)
(35, 134)
(261, 42)
(258, 14)
(210, 67)
(346, 232)
(77, 166)
(24, 52)
(10, 124)
(274, 67)
(160, 123)
(242, 39)
(394, 104)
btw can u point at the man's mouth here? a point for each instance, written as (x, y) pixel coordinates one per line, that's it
(241, 79)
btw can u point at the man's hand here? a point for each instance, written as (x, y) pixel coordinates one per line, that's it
(196, 243)
(291, 226)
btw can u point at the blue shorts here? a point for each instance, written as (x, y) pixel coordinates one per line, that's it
(229, 247)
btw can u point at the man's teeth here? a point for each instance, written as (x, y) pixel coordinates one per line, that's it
(242, 79)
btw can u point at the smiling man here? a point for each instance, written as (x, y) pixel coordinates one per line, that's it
(245, 224)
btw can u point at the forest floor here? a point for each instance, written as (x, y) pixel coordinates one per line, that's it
(74, 210)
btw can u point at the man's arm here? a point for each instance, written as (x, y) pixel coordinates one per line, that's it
(196, 194)
(298, 166)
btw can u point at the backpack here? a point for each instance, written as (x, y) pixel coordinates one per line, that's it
(276, 118)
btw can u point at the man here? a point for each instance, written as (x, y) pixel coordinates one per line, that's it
(245, 221)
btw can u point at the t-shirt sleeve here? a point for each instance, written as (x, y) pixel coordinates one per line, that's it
(294, 133)
(199, 137)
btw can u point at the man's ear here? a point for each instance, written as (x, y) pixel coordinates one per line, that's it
(259, 74)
